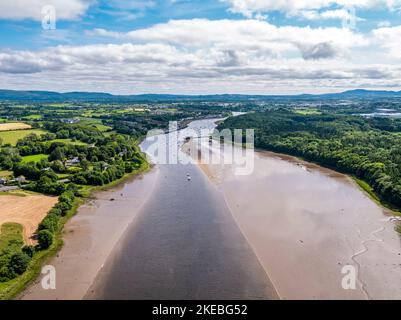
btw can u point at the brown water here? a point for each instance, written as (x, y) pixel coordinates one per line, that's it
(184, 244)
(163, 237)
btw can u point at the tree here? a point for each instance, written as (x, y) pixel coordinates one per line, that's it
(85, 164)
(45, 239)
(19, 262)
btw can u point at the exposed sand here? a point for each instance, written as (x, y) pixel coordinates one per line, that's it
(305, 223)
(90, 236)
(28, 211)
(14, 126)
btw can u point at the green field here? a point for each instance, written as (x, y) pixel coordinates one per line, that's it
(96, 123)
(69, 141)
(33, 117)
(10, 232)
(307, 111)
(34, 158)
(5, 173)
(12, 137)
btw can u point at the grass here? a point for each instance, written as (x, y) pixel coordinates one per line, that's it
(16, 193)
(307, 111)
(69, 141)
(10, 232)
(5, 173)
(62, 176)
(102, 127)
(96, 123)
(33, 117)
(12, 137)
(34, 158)
(109, 133)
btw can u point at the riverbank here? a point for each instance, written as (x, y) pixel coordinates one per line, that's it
(13, 288)
(90, 236)
(362, 184)
(301, 218)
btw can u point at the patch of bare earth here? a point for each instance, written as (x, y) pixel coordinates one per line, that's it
(14, 126)
(28, 211)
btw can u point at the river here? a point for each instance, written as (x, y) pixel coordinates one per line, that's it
(286, 230)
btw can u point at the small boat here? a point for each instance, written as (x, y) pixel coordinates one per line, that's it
(189, 178)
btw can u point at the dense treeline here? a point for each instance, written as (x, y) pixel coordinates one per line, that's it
(106, 159)
(367, 148)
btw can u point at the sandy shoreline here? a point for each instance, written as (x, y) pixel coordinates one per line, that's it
(90, 237)
(302, 219)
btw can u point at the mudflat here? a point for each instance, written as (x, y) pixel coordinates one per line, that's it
(306, 223)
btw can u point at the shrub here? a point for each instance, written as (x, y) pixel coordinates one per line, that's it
(64, 207)
(45, 239)
(19, 262)
(56, 212)
(50, 222)
(67, 197)
(29, 250)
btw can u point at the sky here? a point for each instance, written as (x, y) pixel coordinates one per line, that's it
(200, 46)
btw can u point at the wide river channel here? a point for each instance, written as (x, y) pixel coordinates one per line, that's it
(288, 229)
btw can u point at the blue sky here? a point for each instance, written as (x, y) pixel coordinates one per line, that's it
(208, 46)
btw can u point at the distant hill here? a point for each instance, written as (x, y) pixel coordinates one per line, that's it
(44, 96)
(361, 93)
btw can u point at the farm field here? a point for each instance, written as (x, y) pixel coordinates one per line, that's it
(25, 209)
(5, 173)
(14, 126)
(34, 158)
(12, 137)
(68, 141)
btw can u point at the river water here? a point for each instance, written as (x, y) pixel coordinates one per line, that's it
(286, 230)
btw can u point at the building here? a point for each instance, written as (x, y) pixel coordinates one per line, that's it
(72, 162)
(21, 179)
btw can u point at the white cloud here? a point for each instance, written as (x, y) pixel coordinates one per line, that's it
(341, 14)
(31, 9)
(253, 36)
(189, 56)
(385, 23)
(388, 38)
(249, 8)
